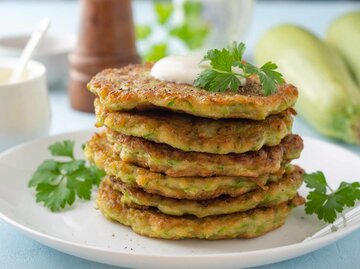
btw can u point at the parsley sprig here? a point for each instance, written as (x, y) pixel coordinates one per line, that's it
(192, 31)
(57, 183)
(222, 75)
(326, 202)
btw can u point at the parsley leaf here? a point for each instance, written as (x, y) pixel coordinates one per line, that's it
(70, 167)
(237, 51)
(47, 172)
(58, 183)
(219, 59)
(224, 64)
(192, 10)
(193, 30)
(54, 197)
(156, 52)
(64, 148)
(163, 12)
(316, 181)
(325, 202)
(81, 182)
(224, 81)
(96, 174)
(193, 36)
(205, 80)
(142, 31)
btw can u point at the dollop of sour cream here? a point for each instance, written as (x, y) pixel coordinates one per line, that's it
(178, 68)
(183, 69)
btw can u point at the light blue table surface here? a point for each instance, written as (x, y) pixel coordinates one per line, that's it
(17, 251)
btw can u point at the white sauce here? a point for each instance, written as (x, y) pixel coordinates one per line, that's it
(5, 74)
(24, 105)
(178, 68)
(182, 69)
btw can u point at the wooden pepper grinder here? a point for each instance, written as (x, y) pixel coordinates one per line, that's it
(106, 39)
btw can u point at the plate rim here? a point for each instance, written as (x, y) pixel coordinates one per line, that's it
(34, 234)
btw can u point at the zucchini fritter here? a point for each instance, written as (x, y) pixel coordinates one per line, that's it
(275, 193)
(189, 133)
(98, 150)
(162, 158)
(132, 87)
(152, 223)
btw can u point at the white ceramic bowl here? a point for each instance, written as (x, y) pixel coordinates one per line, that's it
(24, 105)
(53, 52)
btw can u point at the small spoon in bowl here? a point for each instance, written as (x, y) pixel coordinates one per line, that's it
(29, 49)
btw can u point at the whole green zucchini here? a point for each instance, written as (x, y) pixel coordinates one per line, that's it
(329, 98)
(344, 35)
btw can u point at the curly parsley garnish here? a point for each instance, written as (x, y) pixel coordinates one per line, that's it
(221, 74)
(57, 183)
(326, 202)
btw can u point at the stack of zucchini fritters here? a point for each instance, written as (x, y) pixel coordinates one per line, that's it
(182, 162)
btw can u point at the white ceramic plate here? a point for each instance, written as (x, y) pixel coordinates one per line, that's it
(82, 231)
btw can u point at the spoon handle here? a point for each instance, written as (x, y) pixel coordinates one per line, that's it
(30, 48)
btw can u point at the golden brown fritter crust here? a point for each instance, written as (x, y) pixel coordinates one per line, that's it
(190, 133)
(162, 158)
(278, 192)
(98, 150)
(132, 87)
(152, 223)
